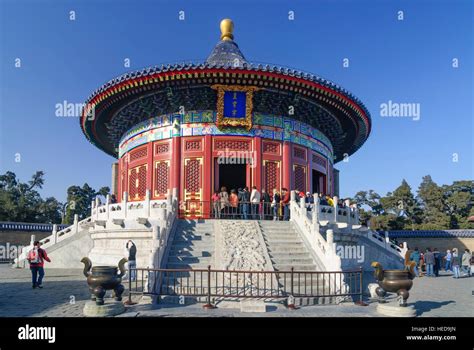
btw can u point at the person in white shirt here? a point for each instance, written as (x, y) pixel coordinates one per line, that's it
(255, 202)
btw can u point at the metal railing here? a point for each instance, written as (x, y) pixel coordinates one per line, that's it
(213, 283)
(236, 210)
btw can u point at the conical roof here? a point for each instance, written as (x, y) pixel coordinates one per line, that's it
(226, 52)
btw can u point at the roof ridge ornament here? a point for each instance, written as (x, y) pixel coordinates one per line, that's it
(227, 29)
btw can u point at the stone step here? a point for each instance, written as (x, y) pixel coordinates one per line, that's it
(297, 267)
(209, 229)
(285, 249)
(289, 239)
(187, 253)
(192, 238)
(283, 235)
(193, 243)
(284, 244)
(188, 259)
(203, 263)
(292, 261)
(290, 254)
(276, 243)
(197, 244)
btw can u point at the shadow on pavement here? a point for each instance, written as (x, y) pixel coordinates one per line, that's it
(425, 306)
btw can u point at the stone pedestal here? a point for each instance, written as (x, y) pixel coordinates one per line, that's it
(394, 310)
(252, 306)
(110, 308)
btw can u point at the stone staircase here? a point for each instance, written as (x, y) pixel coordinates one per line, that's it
(285, 247)
(287, 250)
(193, 247)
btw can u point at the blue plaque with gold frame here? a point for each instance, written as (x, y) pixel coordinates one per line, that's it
(234, 105)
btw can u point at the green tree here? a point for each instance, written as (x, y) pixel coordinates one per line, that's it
(432, 201)
(371, 199)
(459, 200)
(21, 202)
(79, 201)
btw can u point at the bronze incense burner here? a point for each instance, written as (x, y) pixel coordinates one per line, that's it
(103, 278)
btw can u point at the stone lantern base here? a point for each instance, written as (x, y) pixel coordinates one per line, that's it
(110, 308)
(394, 310)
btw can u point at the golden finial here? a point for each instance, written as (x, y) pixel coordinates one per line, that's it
(227, 27)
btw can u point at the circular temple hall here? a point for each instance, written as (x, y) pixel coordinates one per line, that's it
(223, 122)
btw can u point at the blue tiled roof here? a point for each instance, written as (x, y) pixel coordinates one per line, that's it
(226, 52)
(431, 234)
(262, 67)
(30, 227)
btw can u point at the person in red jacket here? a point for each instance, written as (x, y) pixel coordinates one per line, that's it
(285, 202)
(36, 258)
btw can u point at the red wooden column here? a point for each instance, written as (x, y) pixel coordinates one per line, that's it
(287, 165)
(150, 168)
(309, 177)
(175, 165)
(124, 172)
(257, 163)
(207, 174)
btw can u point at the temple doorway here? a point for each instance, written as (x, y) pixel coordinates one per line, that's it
(232, 176)
(318, 182)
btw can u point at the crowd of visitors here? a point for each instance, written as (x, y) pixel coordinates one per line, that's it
(432, 261)
(252, 204)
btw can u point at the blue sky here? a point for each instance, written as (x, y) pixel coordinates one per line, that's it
(407, 61)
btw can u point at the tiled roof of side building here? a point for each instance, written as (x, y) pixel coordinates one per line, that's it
(431, 234)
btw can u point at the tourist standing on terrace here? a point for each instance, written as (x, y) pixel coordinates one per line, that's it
(285, 202)
(415, 256)
(240, 193)
(216, 205)
(466, 262)
(255, 201)
(224, 200)
(330, 201)
(430, 262)
(266, 214)
(245, 200)
(323, 200)
(234, 204)
(455, 263)
(36, 258)
(309, 200)
(276, 204)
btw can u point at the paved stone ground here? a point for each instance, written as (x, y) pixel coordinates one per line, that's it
(65, 293)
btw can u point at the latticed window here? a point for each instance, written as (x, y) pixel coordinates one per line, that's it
(300, 178)
(162, 148)
(138, 154)
(271, 147)
(319, 161)
(299, 153)
(161, 178)
(271, 176)
(194, 145)
(192, 175)
(137, 183)
(236, 145)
